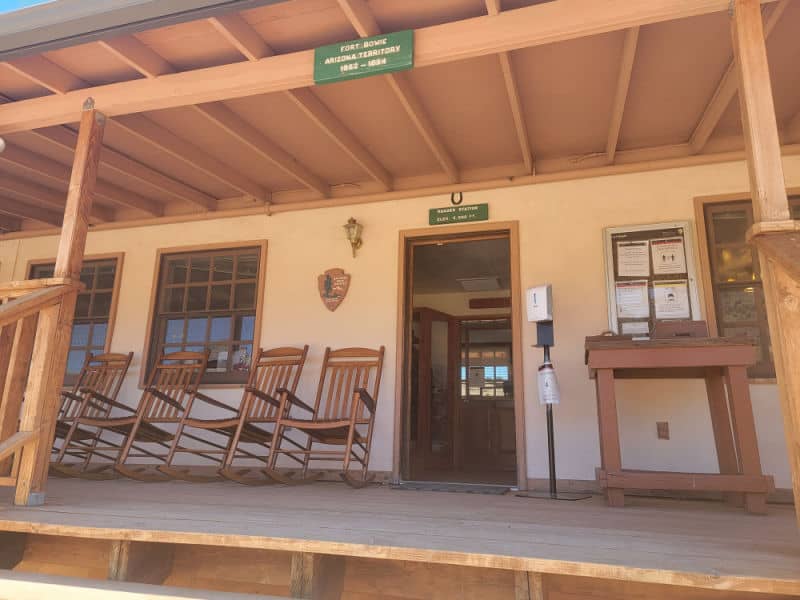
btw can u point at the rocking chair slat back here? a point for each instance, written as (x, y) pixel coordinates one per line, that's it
(103, 374)
(343, 372)
(176, 376)
(273, 369)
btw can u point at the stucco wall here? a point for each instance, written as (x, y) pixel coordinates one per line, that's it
(561, 242)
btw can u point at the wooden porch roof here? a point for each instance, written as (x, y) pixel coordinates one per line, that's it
(219, 115)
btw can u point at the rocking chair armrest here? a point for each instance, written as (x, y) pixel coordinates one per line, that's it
(217, 403)
(98, 396)
(261, 395)
(368, 401)
(162, 396)
(294, 399)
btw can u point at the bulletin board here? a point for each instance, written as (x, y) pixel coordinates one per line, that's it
(650, 275)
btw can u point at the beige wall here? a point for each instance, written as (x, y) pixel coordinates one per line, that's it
(561, 242)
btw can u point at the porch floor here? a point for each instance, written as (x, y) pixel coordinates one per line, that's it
(688, 543)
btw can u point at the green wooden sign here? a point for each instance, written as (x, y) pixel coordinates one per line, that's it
(459, 214)
(365, 57)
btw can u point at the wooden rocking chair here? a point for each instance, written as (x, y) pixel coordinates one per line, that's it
(167, 397)
(252, 423)
(343, 414)
(93, 395)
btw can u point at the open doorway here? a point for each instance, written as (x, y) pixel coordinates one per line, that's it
(460, 422)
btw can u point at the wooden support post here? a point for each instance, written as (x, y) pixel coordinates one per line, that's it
(529, 586)
(770, 204)
(140, 562)
(49, 359)
(12, 548)
(721, 425)
(610, 454)
(317, 576)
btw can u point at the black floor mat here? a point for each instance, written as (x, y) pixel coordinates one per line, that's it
(457, 488)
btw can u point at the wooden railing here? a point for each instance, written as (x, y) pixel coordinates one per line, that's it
(22, 377)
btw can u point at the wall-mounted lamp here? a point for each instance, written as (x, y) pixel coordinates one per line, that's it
(2, 145)
(353, 231)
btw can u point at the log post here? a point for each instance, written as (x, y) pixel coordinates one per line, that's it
(316, 576)
(771, 211)
(49, 359)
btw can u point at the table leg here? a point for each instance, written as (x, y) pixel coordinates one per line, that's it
(744, 428)
(610, 453)
(721, 424)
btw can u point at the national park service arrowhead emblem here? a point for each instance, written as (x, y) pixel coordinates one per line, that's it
(333, 285)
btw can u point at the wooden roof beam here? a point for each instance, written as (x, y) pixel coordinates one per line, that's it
(138, 56)
(67, 139)
(494, 7)
(163, 139)
(623, 87)
(9, 224)
(61, 174)
(248, 41)
(46, 73)
(362, 20)
(52, 198)
(727, 89)
(525, 27)
(238, 128)
(793, 131)
(28, 211)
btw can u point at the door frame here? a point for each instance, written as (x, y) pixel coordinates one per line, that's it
(510, 228)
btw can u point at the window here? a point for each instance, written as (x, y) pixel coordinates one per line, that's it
(207, 301)
(736, 279)
(93, 310)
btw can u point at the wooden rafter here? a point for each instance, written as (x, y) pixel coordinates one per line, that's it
(59, 173)
(159, 137)
(238, 128)
(621, 96)
(28, 211)
(10, 223)
(51, 198)
(247, 40)
(138, 56)
(530, 26)
(116, 161)
(494, 7)
(46, 73)
(360, 17)
(727, 89)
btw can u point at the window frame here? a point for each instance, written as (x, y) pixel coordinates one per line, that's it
(706, 281)
(115, 292)
(260, 245)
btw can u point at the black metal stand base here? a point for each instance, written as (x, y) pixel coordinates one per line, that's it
(557, 496)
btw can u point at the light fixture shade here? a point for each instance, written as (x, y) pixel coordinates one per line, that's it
(353, 229)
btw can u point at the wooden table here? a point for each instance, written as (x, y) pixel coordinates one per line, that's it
(723, 364)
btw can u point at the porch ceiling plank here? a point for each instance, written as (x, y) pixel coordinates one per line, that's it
(623, 86)
(248, 41)
(61, 174)
(147, 130)
(793, 131)
(52, 198)
(235, 126)
(46, 73)
(67, 139)
(529, 26)
(727, 89)
(10, 223)
(138, 56)
(22, 210)
(362, 20)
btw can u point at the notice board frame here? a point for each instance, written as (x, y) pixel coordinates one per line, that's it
(609, 234)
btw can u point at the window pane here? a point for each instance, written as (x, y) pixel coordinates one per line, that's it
(75, 360)
(242, 355)
(245, 295)
(220, 297)
(730, 227)
(201, 268)
(82, 305)
(220, 329)
(101, 307)
(197, 298)
(738, 304)
(223, 268)
(796, 211)
(245, 327)
(174, 300)
(735, 264)
(247, 267)
(99, 331)
(196, 330)
(42, 271)
(80, 335)
(176, 271)
(218, 359)
(105, 276)
(174, 331)
(87, 277)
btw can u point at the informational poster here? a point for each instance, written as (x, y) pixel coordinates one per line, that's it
(638, 329)
(633, 259)
(548, 385)
(671, 299)
(477, 376)
(669, 256)
(632, 299)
